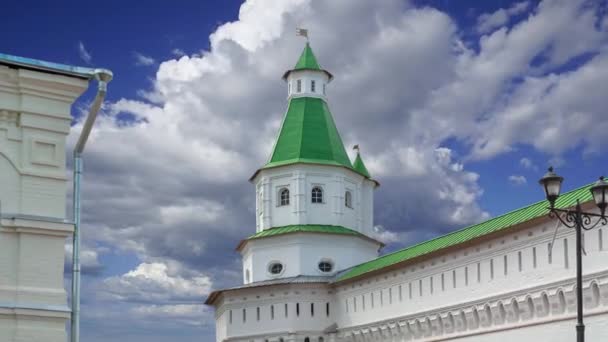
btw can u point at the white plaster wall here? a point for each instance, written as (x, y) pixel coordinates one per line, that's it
(34, 123)
(10, 196)
(422, 288)
(300, 180)
(284, 321)
(306, 76)
(559, 331)
(300, 254)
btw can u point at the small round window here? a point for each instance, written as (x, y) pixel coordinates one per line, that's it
(275, 268)
(325, 266)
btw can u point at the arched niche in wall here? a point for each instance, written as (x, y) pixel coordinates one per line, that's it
(501, 315)
(594, 295)
(561, 306)
(513, 313)
(486, 316)
(545, 307)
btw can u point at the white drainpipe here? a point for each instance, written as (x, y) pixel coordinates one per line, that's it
(103, 77)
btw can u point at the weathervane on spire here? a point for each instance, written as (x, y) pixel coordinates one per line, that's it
(302, 32)
(356, 148)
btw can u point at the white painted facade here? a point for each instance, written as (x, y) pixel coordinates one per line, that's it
(307, 83)
(467, 294)
(299, 180)
(300, 254)
(34, 123)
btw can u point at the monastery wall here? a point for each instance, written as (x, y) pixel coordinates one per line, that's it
(276, 312)
(499, 284)
(506, 287)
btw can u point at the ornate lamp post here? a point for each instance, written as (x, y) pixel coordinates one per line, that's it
(578, 220)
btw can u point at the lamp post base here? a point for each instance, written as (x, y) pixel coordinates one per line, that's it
(580, 333)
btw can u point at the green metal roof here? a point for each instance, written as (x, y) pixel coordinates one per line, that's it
(306, 228)
(498, 223)
(307, 60)
(359, 166)
(308, 135)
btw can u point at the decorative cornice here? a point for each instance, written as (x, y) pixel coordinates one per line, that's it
(34, 225)
(532, 306)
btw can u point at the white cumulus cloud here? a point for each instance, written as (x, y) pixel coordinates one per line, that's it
(171, 185)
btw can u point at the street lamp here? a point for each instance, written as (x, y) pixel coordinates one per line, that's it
(578, 220)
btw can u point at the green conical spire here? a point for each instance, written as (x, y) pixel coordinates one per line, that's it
(359, 166)
(308, 133)
(307, 60)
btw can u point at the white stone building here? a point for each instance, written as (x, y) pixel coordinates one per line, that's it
(312, 273)
(35, 116)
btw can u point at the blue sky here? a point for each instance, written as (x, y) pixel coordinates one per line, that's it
(459, 106)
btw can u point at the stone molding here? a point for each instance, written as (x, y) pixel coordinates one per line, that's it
(549, 303)
(35, 226)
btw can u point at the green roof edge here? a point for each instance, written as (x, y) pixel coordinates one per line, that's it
(564, 201)
(305, 228)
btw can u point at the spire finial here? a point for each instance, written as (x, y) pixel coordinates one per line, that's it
(302, 32)
(356, 148)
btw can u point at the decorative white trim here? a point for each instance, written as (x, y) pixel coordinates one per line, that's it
(539, 305)
(35, 225)
(34, 306)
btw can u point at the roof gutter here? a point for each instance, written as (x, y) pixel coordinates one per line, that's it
(103, 77)
(50, 67)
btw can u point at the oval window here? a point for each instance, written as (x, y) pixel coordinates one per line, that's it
(325, 266)
(275, 268)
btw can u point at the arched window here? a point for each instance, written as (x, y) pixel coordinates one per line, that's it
(299, 86)
(317, 195)
(307, 339)
(312, 86)
(348, 199)
(321, 339)
(284, 197)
